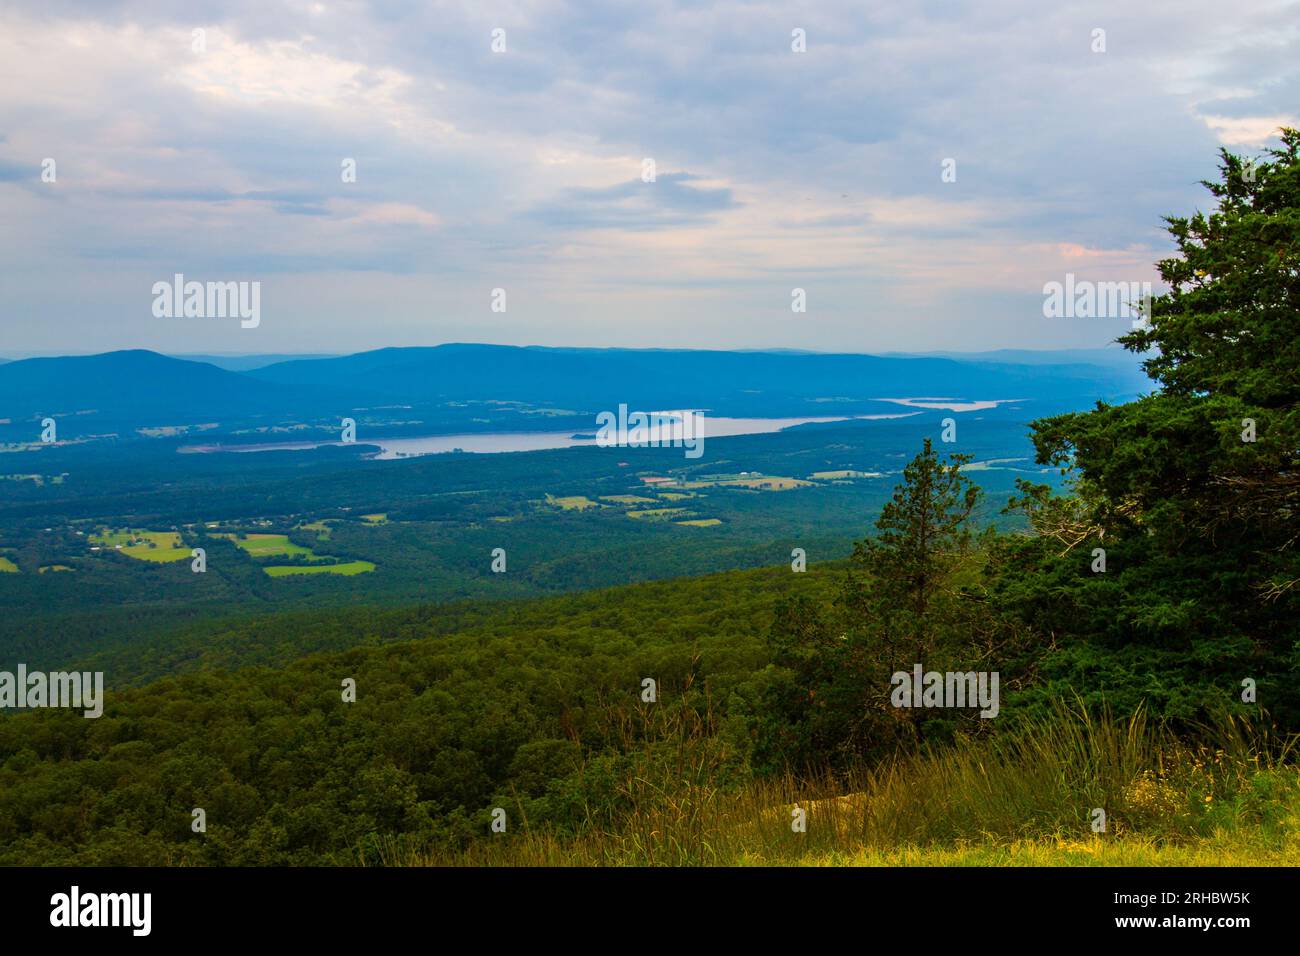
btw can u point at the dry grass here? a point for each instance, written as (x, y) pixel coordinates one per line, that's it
(1229, 797)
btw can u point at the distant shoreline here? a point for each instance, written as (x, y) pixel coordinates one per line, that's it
(503, 442)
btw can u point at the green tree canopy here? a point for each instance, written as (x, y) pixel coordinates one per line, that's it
(1192, 490)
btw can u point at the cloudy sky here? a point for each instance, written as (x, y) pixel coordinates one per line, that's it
(220, 155)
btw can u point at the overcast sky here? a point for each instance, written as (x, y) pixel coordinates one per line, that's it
(522, 169)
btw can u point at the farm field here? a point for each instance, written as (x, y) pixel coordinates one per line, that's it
(752, 482)
(146, 545)
(656, 514)
(270, 545)
(572, 502)
(347, 569)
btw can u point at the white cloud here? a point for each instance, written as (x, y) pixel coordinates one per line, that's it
(476, 169)
(1254, 131)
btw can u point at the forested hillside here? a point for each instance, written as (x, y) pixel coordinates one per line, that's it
(542, 702)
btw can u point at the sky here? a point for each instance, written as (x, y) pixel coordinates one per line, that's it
(215, 140)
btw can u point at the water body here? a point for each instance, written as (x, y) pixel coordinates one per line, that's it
(951, 404)
(496, 442)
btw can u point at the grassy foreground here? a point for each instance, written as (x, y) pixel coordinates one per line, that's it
(1230, 796)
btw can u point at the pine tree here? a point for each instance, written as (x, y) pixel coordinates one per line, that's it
(921, 534)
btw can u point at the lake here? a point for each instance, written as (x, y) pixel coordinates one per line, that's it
(497, 442)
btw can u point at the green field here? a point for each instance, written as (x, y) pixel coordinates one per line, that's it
(657, 514)
(7, 566)
(349, 569)
(158, 546)
(572, 502)
(271, 545)
(701, 522)
(279, 546)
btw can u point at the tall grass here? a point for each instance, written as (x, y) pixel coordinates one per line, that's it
(1227, 793)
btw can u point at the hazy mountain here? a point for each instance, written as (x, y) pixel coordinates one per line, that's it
(449, 388)
(136, 385)
(1108, 356)
(244, 363)
(666, 377)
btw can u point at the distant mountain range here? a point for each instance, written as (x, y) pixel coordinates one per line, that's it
(133, 384)
(509, 387)
(245, 363)
(1115, 355)
(669, 378)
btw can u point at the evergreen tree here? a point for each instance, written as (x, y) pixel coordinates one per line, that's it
(1192, 491)
(921, 534)
(829, 700)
